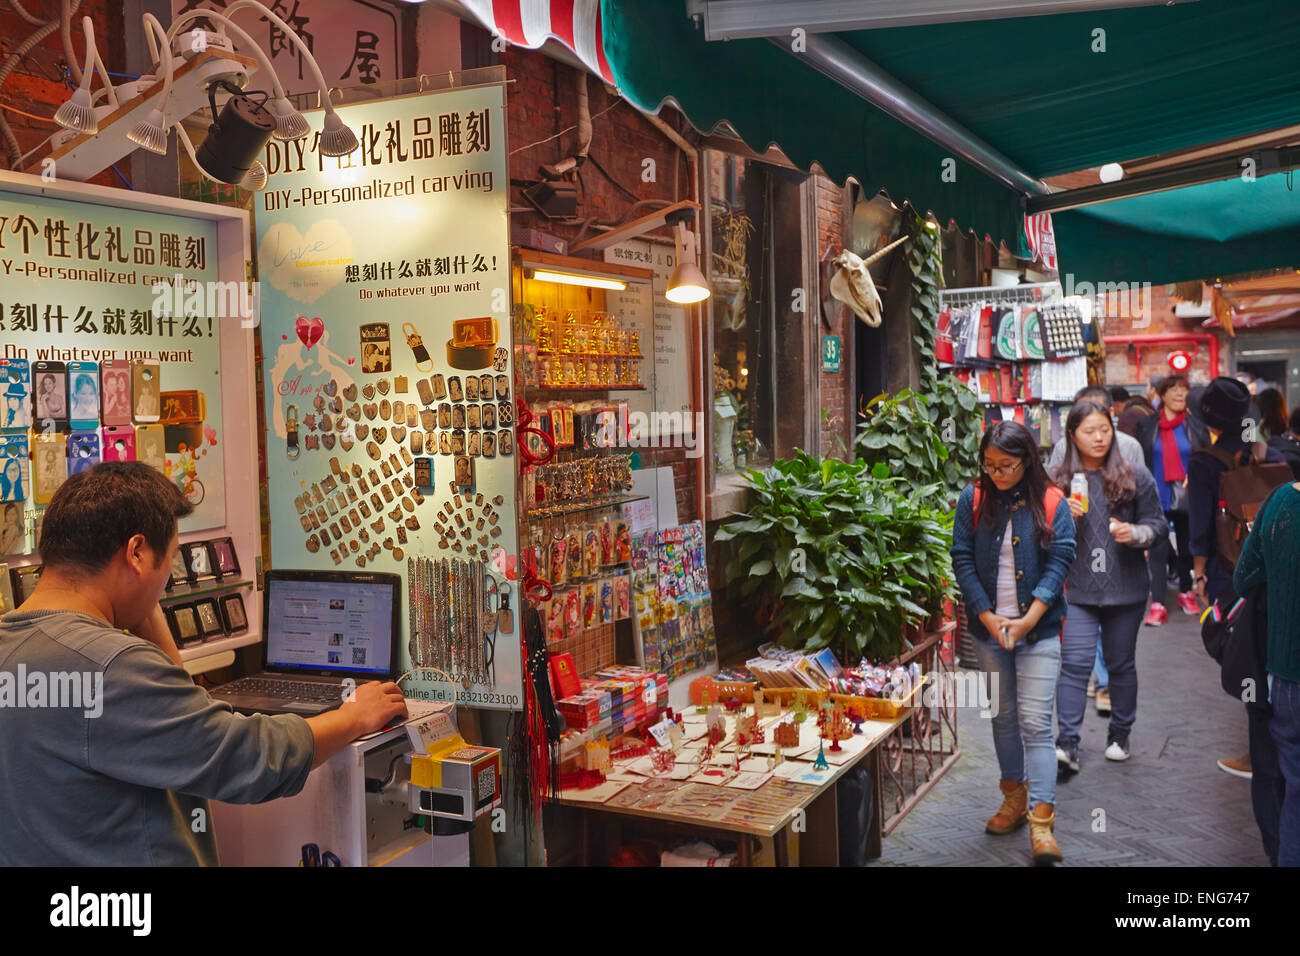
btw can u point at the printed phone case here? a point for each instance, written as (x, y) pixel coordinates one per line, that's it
(49, 466)
(146, 391)
(83, 451)
(15, 473)
(83, 396)
(115, 392)
(118, 443)
(149, 447)
(15, 393)
(49, 396)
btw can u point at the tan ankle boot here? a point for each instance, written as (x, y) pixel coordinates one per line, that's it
(1014, 810)
(1041, 823)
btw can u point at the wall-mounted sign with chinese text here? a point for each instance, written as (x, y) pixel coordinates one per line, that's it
(110, 325)
(390, 393)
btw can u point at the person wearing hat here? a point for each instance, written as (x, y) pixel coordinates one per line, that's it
(1225, 409)
(14, 409)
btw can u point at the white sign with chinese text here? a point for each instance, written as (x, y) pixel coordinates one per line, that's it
(648, 306)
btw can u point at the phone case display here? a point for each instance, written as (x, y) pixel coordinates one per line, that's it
(576, 349)
(16, 380)
(376, 439)
(673, 608)
(1020, 349)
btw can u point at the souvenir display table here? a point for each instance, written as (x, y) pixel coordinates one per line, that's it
(794, 793)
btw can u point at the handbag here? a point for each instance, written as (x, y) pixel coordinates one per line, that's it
(1177, 496)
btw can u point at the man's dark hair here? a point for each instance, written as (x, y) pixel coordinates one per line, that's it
(1295, 420)
(1119, 394)
(97, 511)
(1094, 393)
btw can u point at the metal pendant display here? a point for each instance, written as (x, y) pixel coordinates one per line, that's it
(291, 429)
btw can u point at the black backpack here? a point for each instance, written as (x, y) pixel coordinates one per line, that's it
(1235, 633)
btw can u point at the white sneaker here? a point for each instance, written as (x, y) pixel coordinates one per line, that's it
(1117, 751)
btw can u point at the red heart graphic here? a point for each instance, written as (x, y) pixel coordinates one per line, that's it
(309, 330)
(352, 361)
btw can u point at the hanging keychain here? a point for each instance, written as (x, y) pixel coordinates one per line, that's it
(423, 362)
(291, 427)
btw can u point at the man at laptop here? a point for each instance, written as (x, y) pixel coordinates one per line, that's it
(121, 773)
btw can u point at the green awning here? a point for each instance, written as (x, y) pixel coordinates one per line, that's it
(1038, 89)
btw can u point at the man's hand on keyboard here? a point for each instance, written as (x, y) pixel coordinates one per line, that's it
(373, 705)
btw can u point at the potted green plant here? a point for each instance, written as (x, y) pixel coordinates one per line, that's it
(840, 554)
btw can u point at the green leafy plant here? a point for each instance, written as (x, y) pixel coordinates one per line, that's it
(841, 554)
(925, 439)
(926, 262)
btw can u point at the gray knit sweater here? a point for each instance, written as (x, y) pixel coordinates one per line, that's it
(1106, 572)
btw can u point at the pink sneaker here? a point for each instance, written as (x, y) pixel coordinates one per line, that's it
(1187, 601)
(1157, 615)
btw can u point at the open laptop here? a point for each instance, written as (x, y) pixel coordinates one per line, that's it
(321, 628)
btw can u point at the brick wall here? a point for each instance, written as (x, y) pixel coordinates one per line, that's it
(839, 418)
(36, 87)
(1150, 311)
(541, 104)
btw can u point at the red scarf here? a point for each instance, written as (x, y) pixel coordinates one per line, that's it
(1173, 462)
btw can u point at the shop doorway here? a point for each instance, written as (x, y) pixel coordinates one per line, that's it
(1274, 360)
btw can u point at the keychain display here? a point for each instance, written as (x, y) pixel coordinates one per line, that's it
(423, 363)
(582, 480)
(377, 348)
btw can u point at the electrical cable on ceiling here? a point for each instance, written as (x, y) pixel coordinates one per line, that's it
(14, 109)
(21, 51)
(568, 129)
(595, 162)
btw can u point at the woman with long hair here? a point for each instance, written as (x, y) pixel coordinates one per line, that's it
(1107, 584)
(1168, 439)
(1013, 543)
(1272, 414)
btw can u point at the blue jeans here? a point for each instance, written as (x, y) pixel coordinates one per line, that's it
(1285, 730)
(1119, 626)
(1099, 668)
(1022, 727)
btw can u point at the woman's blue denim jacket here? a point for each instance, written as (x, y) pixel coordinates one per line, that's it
(1040, 572)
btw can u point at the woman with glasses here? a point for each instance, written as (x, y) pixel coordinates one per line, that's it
(1107, 584)
(1013, 543)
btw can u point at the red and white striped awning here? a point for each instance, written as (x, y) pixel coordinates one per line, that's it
(530, 23)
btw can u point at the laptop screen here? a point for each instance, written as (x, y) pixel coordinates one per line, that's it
(330, 623)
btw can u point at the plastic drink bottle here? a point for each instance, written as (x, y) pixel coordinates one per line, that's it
(1079, 489)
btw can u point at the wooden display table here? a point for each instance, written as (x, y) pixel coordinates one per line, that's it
(769, 811)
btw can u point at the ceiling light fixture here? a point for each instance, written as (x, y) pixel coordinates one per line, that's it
(576, 278)
(687, 283)
(78, 112)
(151, 132)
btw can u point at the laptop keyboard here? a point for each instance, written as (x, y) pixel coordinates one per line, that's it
(284, 689)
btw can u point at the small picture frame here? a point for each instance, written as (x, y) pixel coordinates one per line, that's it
(184, 622)
(233, 615)
(180, 576)
(225, 562)
(24, 582)
(210, 623)
(198, 561)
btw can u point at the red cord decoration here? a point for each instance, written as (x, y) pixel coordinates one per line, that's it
(524, 419)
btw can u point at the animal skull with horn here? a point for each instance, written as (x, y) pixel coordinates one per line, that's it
(852, 283)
